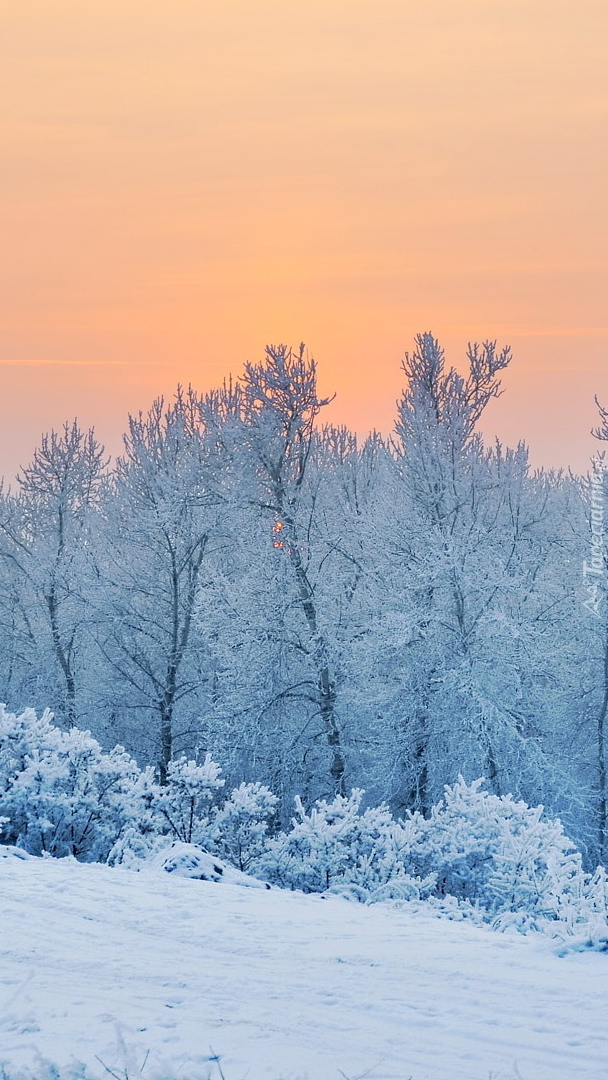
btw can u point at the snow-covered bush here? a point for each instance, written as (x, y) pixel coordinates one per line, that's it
(239, 829)
(160, 816)
(143, 832)
(179, 810)
(336, 844)
(475, 848)
(60, 793)
(499, 853)
(182, 805)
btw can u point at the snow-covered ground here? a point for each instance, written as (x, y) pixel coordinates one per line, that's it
(280, 985)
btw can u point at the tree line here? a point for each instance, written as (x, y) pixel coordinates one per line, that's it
(317, 612)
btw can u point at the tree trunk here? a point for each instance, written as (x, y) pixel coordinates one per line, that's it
(166, 741)
(62, 657)
(325, 684)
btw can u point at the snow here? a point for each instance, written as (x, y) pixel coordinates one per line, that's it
(279, 984)
(190, 861)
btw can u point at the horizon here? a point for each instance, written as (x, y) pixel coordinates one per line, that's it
(499, 422)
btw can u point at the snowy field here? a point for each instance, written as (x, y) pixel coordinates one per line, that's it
(279, 985)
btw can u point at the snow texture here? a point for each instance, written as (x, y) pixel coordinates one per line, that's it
(279, 984)
(190, 861)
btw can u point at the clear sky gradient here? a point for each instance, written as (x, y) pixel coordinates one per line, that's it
(182, 183)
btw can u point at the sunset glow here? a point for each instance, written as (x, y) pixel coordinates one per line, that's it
(183, 183)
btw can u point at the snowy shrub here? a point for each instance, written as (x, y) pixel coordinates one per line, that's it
(143, 833)
(133, 848)
(337, 844)
(400, 888)
(182, 805)
(589, 910)
(595, 895)
(403, 887)
(60, 793)
(19, 736)
(239, 829)
(500, 853)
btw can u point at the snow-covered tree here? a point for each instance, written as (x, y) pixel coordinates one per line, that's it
(160, 522)
(45, 534)
(479, 596)
(313, 611)
(281, 405)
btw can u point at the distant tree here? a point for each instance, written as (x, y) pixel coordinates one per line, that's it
(161, 519)
(280, 407)
(480, 592)
(45, 531)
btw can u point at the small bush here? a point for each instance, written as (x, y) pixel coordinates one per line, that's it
(499, 853)
(336, 843)
(60, 793)
(182, 805)
(239, 829)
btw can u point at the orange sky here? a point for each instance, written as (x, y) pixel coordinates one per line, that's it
(183, 182)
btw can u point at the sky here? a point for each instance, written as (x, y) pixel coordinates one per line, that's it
(181, 184)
